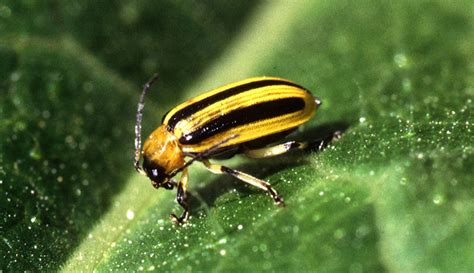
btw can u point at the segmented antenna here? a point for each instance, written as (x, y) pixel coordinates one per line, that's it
(138, 125)
(202, 155)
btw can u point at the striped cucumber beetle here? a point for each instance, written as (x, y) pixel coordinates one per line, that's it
(239, 118)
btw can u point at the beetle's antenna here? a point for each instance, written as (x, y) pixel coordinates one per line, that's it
(202, 155)
(138, 125)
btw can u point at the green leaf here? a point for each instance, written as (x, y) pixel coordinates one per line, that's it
(393, 194)
(66, 117)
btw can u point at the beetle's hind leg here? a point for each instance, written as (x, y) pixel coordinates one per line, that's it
(181, 199)
(219, 169)
(276, 150)
(290, 146)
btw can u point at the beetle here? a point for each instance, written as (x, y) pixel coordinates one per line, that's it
(238, 118)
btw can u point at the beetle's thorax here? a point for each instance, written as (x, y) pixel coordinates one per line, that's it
(162, 148)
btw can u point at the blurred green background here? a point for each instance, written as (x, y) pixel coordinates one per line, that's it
(394, 194)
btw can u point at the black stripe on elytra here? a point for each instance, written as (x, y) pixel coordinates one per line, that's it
(242, 116)
(199, 105)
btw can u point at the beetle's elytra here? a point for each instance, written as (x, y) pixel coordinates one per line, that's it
(239, 118)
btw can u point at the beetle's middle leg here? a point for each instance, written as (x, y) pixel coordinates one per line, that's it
(219, 169)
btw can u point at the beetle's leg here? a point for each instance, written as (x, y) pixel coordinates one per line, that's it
(181, 199)
(276, 150)
(219, 169)
(291, 145)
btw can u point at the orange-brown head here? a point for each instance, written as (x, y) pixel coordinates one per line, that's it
(161, 156)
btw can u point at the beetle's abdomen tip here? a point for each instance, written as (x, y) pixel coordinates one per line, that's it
(318, 101)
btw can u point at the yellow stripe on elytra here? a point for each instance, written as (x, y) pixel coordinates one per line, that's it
(254, 130)
(246, 99)
(216, 91)
(242, 100)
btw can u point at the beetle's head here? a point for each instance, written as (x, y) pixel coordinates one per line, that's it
(162, 156)
(157, 174)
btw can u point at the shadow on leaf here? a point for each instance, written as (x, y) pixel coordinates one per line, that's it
(319, 138)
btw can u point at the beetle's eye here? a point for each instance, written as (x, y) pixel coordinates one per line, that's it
(154, 171)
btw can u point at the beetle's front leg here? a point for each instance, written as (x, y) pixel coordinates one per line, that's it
(181, 199)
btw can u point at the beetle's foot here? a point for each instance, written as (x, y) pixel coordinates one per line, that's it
(180, 220)
(278, 200)
(336, 135)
